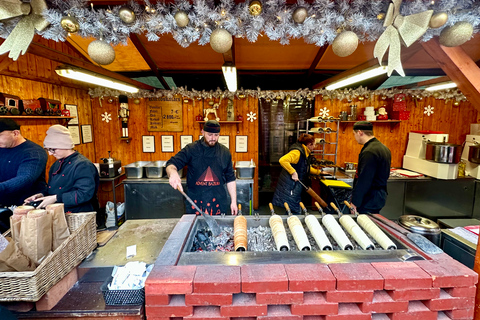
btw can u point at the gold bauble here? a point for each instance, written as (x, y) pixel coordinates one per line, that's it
(255, 8)
(325, 98)
(126, 15)
(436, 94)
(241, 96)
(110, 100)
(381, 16)
(182, 19)
(438, 20)
(101, 52)
(221, 40)
(136, 101)
(185, 100)
(70, 24)
(300, 14)
(456, 35)
(345, 43)
(361, 98)
(456, 103)
(211, 103)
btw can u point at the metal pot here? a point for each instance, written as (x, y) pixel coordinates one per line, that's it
(474, 153)
(443, 152)
(426, 227)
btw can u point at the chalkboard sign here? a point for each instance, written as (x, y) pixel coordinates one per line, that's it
(165, 114)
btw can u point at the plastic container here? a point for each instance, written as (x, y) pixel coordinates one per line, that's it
(245, 169)
(122, 297)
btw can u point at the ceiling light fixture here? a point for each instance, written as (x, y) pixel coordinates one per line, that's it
(441, 86)
(230, 74)
(366, 74)
(93, 78)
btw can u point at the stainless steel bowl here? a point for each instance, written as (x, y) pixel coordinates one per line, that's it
(443, 152)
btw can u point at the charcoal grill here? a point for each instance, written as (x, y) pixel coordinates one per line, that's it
(402, 253)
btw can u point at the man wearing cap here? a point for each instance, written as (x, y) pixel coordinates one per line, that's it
(22, 169)
(370, 183)
(73, 179)
(210, 169)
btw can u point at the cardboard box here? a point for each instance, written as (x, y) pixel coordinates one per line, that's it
(400, 115)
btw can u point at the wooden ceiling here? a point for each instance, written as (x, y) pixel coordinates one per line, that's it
(265, 64)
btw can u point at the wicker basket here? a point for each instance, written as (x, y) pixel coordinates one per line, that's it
(32, 285)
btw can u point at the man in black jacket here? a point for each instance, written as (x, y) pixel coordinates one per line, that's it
(370, 184)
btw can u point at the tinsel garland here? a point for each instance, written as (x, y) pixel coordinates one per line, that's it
(326, 18)
(340, 94)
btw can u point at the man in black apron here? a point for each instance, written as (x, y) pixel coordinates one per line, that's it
(210, 173)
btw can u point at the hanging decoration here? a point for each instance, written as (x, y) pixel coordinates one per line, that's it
(126, 15)
(31, 19)
(438, 20)
(255, 8)
(456, 35)
(428, 110)
(70, 24)
(345, 44)
(324, 112)
(107, 117)
(300, 14)
(400, 30)
(101, 52)
(221, 40)
(251, 116)
(181, 18)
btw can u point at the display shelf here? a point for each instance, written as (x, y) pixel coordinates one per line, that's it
(223, 122)
(66, 119)
(393, 123)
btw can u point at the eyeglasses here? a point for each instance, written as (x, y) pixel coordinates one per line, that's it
(52, 151)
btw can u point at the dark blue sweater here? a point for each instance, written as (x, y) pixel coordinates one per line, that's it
(22, 172)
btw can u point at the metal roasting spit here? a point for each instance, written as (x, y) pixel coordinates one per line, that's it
(200, 247)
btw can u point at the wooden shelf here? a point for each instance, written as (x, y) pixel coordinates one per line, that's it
(223, 122)
(393, 123)
(66, 119)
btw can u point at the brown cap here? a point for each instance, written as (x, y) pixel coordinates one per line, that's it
(8, 125)
(363, 125)
(211, 126)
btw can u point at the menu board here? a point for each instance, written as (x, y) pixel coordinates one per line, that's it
(165, 114)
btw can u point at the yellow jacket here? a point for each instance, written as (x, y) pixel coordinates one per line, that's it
(293, 157)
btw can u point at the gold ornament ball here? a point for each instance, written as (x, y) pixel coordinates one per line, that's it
(300, 14)
(126, 15)
(185, 100)
(345, 44)
(70, 24)
(456, 103)
(381, 16)
(136, 101)
(438, 20)
(241, 96)
(101, 52)
(456, 35)
(361, 98)
(110, 100)
(436, 94)
(221, 40)
(255, 8)
(182, 19)
(325, 98)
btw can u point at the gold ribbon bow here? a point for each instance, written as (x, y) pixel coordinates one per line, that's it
(21, 36)
(400, 29)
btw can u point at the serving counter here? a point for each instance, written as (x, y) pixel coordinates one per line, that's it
(155, 198)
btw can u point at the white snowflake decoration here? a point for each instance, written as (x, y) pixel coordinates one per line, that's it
(324, 112)
(428, 110)
(251, 116)
(107, 117)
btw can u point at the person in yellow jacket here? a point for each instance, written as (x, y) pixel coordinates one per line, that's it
(296, 164)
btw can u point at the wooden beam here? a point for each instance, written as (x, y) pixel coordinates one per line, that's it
(459, 67)
(148, 59)
(54, 55)
(4, 61)
(320, 54)
(407, 53)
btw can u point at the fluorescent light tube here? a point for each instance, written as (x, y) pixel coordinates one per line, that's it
(441, 86)
(89, 77)
(230, 75)
(371, 73)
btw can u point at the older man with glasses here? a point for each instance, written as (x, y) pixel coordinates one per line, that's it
(22, 169)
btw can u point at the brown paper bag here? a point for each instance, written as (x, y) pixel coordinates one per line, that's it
(12, 259)
(15, 225)
(60, 230)
(36, 235)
